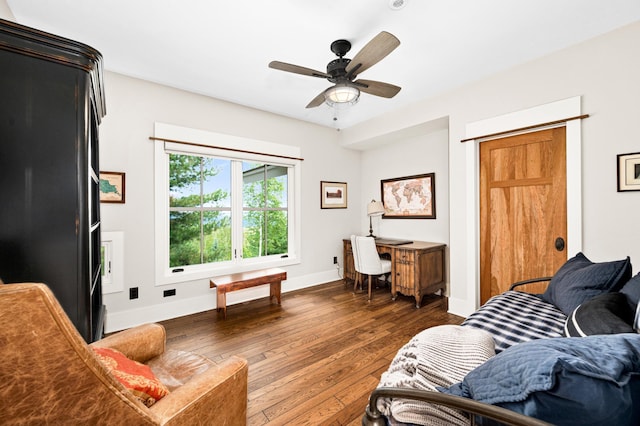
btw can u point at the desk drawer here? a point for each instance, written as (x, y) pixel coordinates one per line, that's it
(404, 257)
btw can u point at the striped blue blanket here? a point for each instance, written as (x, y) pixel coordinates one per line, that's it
(515, 317)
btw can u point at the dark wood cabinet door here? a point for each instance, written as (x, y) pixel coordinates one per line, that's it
(50, 110)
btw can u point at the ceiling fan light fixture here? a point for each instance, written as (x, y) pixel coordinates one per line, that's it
(397, 4)
(341, 94)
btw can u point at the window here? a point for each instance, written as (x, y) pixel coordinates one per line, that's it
(199, 210)
(264, 217)
(222, 210)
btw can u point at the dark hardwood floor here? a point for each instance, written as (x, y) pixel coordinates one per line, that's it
(314, 359)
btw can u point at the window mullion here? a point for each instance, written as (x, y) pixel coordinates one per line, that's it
(201, 210)
(237, 214)
(264, 213)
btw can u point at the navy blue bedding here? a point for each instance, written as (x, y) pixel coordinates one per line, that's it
(592, 380)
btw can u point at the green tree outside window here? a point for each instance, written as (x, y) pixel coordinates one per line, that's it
(200, 209)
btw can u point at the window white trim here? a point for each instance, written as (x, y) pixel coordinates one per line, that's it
(163, 273)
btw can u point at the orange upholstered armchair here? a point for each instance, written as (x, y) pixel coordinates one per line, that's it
(49, 375)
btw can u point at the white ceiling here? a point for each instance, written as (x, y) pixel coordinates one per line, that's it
(222, 48)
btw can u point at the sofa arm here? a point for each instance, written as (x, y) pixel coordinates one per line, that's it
(139, 343)
(373, 417)
(217, 396)
(531, 281)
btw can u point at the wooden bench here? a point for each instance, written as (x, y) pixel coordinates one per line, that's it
(240, 280)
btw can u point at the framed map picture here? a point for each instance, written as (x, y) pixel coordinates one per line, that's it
(333, 195)
(111, 187)
(410, 197)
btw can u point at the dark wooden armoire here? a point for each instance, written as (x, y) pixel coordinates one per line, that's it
(51, 103)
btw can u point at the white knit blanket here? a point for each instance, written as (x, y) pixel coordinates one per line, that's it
(438, 356)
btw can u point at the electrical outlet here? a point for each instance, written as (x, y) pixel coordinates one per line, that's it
(335, 260)
(133, 293)
(168, 293)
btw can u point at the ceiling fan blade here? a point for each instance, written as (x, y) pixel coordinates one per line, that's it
(372, 53)
(317, 101)
(377, 88)
(283, 66)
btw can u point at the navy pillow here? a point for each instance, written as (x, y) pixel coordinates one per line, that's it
(608, 313)
(632, 290)
(579, 280)
(592, 380)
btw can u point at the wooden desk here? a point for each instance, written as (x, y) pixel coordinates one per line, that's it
(416, 269)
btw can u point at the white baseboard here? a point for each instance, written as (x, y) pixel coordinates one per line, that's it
(461, 307)
(116, 321)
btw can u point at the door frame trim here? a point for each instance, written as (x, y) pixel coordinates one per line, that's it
(553, 111)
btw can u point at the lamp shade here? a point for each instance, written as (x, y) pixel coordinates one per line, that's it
(341, 94)
(375, 208)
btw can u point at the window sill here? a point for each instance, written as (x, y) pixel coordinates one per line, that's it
(193, 275)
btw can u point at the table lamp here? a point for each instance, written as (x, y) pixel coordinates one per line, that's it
(374, 208)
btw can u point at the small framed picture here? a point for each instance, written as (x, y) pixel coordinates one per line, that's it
(333, 195)
(111, 187)
(629, 172)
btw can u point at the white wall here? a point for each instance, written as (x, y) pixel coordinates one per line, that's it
(5, 12)
(424, 153)
(420, 151)
(604, 71)
(132, 108)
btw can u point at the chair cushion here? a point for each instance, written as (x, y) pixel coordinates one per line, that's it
(607, 313)
(136, 377)
(175, 368)
(579, 280)
(590, 380)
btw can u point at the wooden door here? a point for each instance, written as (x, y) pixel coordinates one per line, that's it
(523, 209)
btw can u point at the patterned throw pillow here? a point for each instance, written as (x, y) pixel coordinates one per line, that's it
(136, 377)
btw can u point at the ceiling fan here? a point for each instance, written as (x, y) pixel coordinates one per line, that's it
(343, 71)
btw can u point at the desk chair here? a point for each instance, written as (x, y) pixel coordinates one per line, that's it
(369, 261)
